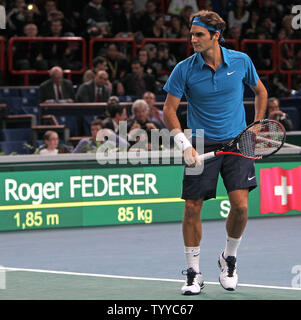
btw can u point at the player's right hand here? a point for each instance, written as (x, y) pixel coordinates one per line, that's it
(191, 157)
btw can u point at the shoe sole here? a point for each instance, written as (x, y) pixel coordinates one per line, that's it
(189, 293)
(219, 279)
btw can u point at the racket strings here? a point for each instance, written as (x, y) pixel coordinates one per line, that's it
(261, 139)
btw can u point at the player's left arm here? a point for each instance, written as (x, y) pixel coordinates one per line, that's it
(261, 98)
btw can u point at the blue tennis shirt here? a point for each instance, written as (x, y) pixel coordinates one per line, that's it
(215, 99)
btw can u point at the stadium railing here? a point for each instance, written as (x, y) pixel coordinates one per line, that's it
(26, 73)
(292, 71)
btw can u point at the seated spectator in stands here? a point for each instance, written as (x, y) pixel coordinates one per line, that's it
(165, 61)
(90, 144)
(140, 111)
(21, 15)
(151, 49)
(125, 22)
(185, 15)
(98, 64)
(143, 58)
(158, 30)
(95, 90)
(222, 7)
(235, 33)
(116, 113)
(147, 19)
(72, 57)
(116, 62)
(274, 113)
(136, 82)
(54, 51)
(239, 15)
(51, 140)
(95, 14)
(56, 89)
(155, 115)
(28, 55)
(174, 30)
(250, 28)
(175, 6)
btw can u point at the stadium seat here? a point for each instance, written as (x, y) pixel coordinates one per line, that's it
(14, 104)
(86, 124)
(19, 147)
(30, 93)
(16, 134)
(71, 122)
(9, 92)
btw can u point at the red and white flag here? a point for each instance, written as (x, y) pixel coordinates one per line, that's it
(280, 190)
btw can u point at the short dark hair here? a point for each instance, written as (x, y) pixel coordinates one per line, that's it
(97, 122)
(114, 108)
(98, 60)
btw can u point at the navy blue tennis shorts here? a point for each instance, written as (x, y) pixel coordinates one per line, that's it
(237, 173)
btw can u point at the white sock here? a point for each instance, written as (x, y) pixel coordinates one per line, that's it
(232, 245)
(193, 257)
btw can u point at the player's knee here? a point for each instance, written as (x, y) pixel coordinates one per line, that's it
(241, 210)
(192, 211)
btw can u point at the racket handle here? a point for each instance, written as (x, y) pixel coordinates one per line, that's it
(207, 156)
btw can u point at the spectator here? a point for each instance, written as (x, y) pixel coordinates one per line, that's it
(165, 61)
(158, 30)
(239, 15)
(137, 82)
(143, 58)
(250, 28)
(95, 14)
(174, 31)
(151, 52)
(51, 140)
(175, 6)
(125, 23)
(116, 113)
(98, 64)
(54, 51)
(235, 33)
(147, 19)
(117, 63)
(140, 111)
(274, 113)
(21, 15)
(56, 89)
(185, 15)
(155, 115)
(222, 7)
(95, 90)
(72, 57)
(28, 55)
(90, 144)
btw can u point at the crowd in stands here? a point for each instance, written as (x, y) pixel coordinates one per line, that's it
(115, 71)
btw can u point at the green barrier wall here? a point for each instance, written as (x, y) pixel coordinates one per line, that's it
(48, 195)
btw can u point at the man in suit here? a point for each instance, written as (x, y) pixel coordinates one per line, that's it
(56, 89)
(117, 113)
(95, 90)
(137, 82)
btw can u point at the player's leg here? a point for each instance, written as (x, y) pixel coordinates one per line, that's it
(239, 178)
(192, 234)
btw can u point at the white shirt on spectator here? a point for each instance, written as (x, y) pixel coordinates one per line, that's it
(233, 22)
(49, 152)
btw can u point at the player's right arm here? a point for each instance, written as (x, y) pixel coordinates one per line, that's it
(173, 125)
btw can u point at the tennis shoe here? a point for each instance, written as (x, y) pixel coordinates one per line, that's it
(194, 282)
(228, 277)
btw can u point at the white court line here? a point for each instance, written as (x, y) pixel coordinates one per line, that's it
(138, 278)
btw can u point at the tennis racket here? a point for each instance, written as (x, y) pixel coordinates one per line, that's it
(259, 140)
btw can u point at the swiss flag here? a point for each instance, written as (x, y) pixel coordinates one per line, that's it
(280, 190)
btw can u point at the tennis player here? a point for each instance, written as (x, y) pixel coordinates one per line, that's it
(212, 80)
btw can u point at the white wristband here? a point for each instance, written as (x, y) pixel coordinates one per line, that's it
(181, 141)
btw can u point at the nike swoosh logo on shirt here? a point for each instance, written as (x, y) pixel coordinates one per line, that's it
(251, 178)
(229, 73)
